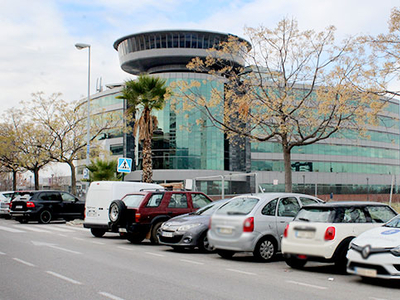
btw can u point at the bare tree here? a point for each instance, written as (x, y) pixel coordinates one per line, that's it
(300, 87)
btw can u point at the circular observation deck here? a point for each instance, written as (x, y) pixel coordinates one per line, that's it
(168, 50)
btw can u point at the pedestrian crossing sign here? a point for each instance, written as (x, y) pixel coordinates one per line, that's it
(124, 165)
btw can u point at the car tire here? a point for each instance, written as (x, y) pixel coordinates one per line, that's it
(135, 238)
(45, 217)
(265, 249)
(154, 239)
(116, 212)
(341, 260)
(225, 253)
(295, 262)
(204, 244)
(97, 232)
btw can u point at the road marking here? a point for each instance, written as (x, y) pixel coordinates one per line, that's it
(125, 248)
(155, 254)
(32, 228)
(75, 228)
(98, 243)
(78, 239)
(308, 285)
(242, 272)
(58, 229)
(2, 253)
(11, 229)
(63, 277)
(23, 262)
(55, 247)
(192, 262)
(110, 296)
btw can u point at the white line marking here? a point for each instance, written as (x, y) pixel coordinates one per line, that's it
(192, 262)
(110, 296)
(58, 229)
(32, 228)
(98, 243)
(78, 239)
(2, 253)
(242, 272)
(63, 235)
(10, 229)
(125, 248)
(23, 262)
(63, 277)
(308, 285)
(155, 254)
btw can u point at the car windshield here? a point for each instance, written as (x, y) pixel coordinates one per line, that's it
(238, 206)
(209, 209)
(133, 200)
(394, 223)
(312, 214)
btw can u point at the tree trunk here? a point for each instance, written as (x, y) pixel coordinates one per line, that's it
(36, 176)
(14, 182)
(73, 177)
(147, 175)
(288, 169)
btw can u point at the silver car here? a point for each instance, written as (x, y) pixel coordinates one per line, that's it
(255, 223)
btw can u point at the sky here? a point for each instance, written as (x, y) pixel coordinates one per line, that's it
(37, 52)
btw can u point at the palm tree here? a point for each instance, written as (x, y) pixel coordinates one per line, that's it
(144, 95)
(103, 170)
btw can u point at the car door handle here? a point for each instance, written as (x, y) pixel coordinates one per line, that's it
(282, 221)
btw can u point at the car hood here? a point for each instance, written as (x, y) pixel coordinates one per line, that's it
(188, 219)
(379, 237)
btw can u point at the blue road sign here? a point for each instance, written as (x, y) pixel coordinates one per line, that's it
(124, 165)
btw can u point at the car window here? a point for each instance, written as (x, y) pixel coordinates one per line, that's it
(380, 214)
(270, 208)
(288, 207)
(354, 215)
(394, 223)
(309, 214)
(238, 206)
(50, 196)
(133, 200)
(67, 197)
(178, 201)
(199, 200)
(155, 200)
(307, 201)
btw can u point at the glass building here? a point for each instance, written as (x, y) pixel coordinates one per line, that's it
(184, 148)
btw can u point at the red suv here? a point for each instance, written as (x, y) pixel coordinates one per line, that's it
(139, 215)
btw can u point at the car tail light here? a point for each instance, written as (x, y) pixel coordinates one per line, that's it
(248, 225)
(30, 204)
(286, 231)
(137, 217)
(330, 233)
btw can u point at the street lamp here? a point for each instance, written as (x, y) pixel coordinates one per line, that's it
(81, 46)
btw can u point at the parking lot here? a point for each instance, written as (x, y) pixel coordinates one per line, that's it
(63, 261)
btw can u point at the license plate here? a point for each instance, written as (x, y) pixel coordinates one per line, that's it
(122, 230)
(167, 234)
(224, 230)
(304, 234)
(366, 272)
(18, 207)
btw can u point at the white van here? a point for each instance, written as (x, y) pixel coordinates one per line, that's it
(98, 200)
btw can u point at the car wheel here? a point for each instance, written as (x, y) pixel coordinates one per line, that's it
(225, 253)
(45, 217)
(204, 244)
(341, 260)
(97, 232)
(295, 262)
(265, 250)
(116, 211)
(154, 239)
(135, 238)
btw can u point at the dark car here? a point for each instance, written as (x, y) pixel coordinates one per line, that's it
(140, 215)
(189, 230)
(44, 206)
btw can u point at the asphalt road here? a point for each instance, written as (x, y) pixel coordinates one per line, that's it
(59, 261)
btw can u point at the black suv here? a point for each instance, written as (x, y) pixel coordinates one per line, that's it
(44, 206)
(139, 215)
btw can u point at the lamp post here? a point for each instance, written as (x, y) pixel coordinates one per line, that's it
(81, 46)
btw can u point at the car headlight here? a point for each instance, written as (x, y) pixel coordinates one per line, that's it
(396, 251)
(185, 228)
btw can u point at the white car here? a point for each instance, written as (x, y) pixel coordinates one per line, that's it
(376, 252)
(254, 223)
(5, 198)
(323, 233)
